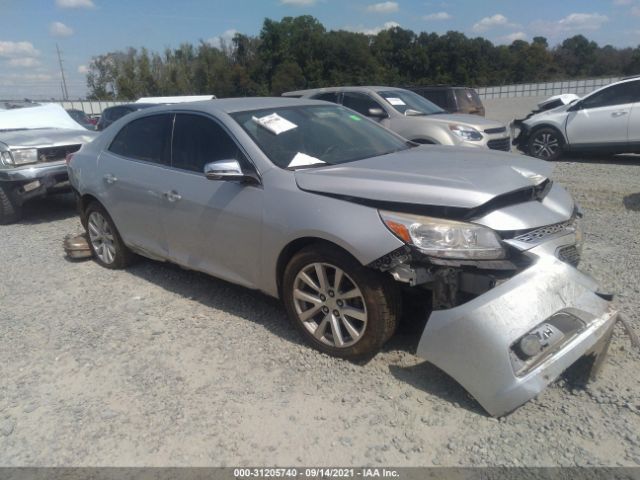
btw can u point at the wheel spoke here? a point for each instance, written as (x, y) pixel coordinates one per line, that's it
(337, 280)
(354, 313)
(307, 314)
(353, 293)
(321, 272)
(309, 281)
(300, 295)
(350, 328)
(335, 331)
(322, 327)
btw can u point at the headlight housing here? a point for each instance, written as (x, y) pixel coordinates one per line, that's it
(445, 238)
(465, 133)
(24, 156)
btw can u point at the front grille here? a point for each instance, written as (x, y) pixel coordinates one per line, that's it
(569, 254)
(539, 234)
(503, 144)
(492, 131)
(53, 154)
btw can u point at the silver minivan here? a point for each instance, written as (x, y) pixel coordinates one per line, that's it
(414, 117)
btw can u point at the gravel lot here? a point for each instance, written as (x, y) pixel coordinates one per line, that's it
(160, 366)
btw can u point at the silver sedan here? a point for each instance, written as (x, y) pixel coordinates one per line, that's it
(340, 218)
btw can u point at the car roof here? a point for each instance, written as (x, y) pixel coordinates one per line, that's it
(370, 88)
(234, 105)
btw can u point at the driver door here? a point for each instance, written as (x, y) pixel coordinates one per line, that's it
(603, 117)
(211, 226)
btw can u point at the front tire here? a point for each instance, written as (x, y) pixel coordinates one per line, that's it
(10, 212)
(546, 144)
(340, 307)
(106, 244)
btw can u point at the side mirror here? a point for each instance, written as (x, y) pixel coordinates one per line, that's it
(228, 170)
(377, 113)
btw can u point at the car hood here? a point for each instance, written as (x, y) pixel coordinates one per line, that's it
(427, 176)
(474, 121)
(45, 137)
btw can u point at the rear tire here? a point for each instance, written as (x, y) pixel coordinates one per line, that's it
(105, 242)
(9, 211)
(340, 307)
(546, 144)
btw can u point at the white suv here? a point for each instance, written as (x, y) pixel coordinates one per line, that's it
(606, 121)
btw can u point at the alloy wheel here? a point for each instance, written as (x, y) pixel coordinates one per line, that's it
(545, 145)
(101, 237)
(330, 305)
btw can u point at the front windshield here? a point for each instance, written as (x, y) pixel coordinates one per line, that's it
(410, 103)
(312, 136)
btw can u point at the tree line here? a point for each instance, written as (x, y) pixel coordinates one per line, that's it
(299, 52)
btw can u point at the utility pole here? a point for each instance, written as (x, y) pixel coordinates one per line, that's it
(65, 92)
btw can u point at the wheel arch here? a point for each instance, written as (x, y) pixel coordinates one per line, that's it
(83, 201)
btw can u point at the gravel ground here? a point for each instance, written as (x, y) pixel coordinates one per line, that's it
(160, 366)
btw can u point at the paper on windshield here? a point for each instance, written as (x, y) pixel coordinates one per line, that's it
(43, 116)
(302, 159)
(275, 123)
(395, 101)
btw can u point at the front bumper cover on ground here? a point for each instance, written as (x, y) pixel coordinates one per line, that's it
(473, 342)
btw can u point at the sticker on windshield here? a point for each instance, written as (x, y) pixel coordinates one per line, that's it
(395, 101)
(355, 118)
(302, 159)
(275, 123)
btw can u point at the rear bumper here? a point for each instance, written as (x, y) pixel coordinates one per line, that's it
(474, 342)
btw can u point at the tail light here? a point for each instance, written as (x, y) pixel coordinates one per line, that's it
(68, 158)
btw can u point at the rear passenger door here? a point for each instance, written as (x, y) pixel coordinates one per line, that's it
(211, 226)
(134, 173)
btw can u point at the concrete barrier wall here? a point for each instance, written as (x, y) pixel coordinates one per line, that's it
(505, 110)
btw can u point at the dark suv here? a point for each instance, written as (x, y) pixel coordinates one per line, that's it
(111, 114)
(452, 99)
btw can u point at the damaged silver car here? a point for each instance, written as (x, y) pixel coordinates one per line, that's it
(340, 218)
(34, 142)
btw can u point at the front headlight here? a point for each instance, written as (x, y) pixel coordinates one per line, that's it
(466, 133)
(25, 156)
(445, 238)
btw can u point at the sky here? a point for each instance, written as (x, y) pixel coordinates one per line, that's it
(85, 28)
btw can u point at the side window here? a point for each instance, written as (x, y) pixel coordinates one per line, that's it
(359, 102)
(198, 140)
(327, 97)
(146, 138)
(615, 95)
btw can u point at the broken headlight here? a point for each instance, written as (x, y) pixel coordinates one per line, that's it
(445, 238)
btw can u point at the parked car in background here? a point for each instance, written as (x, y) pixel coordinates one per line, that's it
(415, 117)
(112, 114)
(452, 99)
(82, 118)
(319, 206)
(34, 142)
(605, 121)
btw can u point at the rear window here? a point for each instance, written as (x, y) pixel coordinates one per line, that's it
(147, 138)
(468, 99)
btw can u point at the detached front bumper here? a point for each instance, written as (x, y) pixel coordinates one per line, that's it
(476, 343)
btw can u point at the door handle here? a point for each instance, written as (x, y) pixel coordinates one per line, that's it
(618, 114)
(172, 196)
(110, 179)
